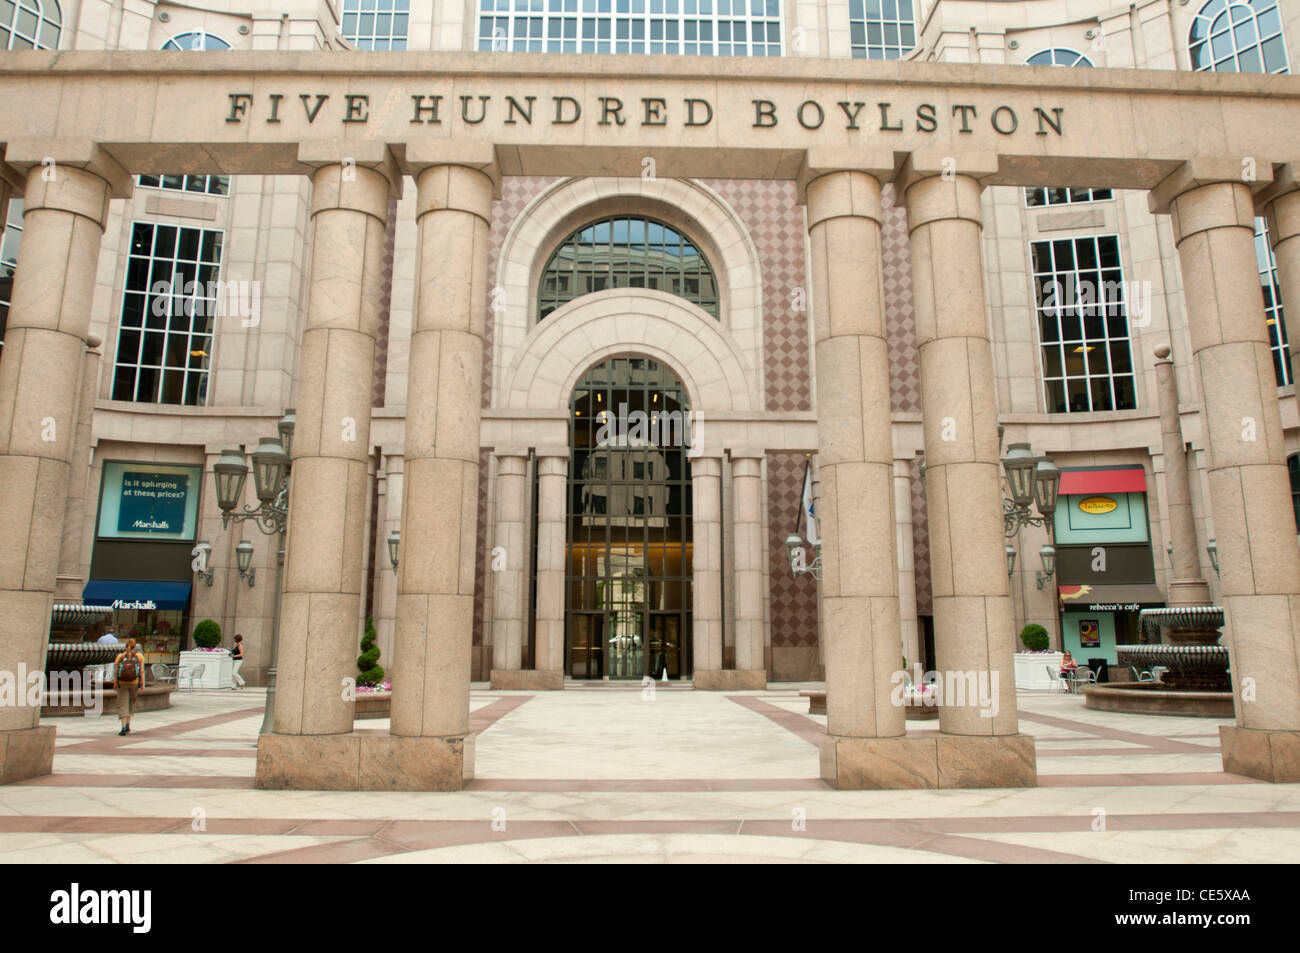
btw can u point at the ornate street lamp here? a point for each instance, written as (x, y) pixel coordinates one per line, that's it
(244, 556)
(1213, 550)
(1032, 481)
(394, 541)
(1047, 554)
(798, 555)
(1011, 560)
(271, 481)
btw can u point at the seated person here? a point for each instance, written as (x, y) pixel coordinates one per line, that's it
(1068, 665)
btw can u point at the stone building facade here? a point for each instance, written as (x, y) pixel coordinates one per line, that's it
(744, 360)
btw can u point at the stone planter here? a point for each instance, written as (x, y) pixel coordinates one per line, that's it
(1032, 671)
(217, 669)
(372, 705)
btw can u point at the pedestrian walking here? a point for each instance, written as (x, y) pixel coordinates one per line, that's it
(237, 654)
(128, 677)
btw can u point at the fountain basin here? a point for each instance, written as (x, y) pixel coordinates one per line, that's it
(1156, 698)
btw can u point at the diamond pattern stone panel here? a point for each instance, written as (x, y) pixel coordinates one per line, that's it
(793, 605)
(775, 222)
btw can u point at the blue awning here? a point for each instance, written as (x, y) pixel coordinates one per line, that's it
(134, 594)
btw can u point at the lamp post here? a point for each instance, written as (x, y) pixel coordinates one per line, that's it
(1031, 480)
(1213, 550)
(1048, 556)
(244, 557)
(798, 556)
(271, 480)
(1011, 560)
(394, 541)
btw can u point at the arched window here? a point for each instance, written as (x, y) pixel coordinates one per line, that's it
(30, 24)
(881, 29)
(627, 252)
(1238, 36)
(1058, 57)
(196, 40)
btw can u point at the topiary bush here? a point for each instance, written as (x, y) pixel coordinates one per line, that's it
(207, 634)
(1035, 637)
(371, 673)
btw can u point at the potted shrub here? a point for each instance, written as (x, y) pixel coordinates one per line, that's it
(1034, 665)
(216, 662)
(373, 698)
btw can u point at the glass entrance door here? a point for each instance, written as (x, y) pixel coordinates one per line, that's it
(628, 591)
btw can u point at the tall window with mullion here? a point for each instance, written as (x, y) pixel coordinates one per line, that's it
(169, 301)
(693, 27)
(376, 24)
(1083, 325)
(1272, 304)
(881, 29)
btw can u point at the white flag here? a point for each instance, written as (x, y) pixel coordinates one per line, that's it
(809, 511)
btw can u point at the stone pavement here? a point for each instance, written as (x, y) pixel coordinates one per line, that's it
(599, 773)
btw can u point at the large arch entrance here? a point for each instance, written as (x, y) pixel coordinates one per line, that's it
(628, 542)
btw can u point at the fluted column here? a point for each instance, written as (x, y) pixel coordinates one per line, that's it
(548, 628)
(321, 605)
(706, 571)
(506, 569)
(73, 568)
(1250, 492)
(859, 583)
(40, 379)
(435, 590)
(747, 559)
(974, 619)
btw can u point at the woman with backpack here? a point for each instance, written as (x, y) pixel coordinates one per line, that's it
(128, 676)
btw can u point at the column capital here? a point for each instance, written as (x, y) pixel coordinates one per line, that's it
(843, 193)
(45, 157)
(552, 450)
(1280, 206)
(345, 181)
(553, 465)
(1250, 172)
(511, 464)
(705, 467)
(746, 465)
(456, 188)
(477, 156)
(817, 162)
(936, 198)
(1211, 206)
(942, 164)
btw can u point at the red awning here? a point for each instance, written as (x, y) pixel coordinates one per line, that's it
(1075, 482)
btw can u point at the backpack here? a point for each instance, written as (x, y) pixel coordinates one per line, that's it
(127, 670)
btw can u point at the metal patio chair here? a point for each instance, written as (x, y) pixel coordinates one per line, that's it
(161, 673)
(194, 673)
(1081, 676)
(1054, 676)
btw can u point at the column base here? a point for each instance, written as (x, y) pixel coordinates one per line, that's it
(1266, 754)
(527, 680)
(26, 753)
(929, 760)
(364, 761)
(731, 680)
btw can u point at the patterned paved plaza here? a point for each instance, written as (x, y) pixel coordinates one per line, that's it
(618, 774)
